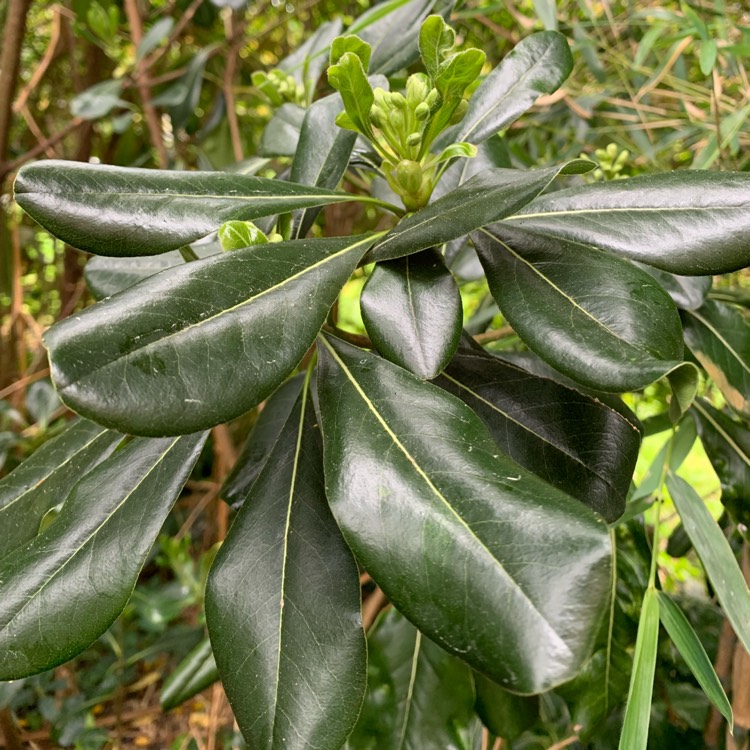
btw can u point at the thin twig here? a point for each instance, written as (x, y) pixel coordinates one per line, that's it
(372, 606)
(564, 743)
(229, 71)
(495, 335)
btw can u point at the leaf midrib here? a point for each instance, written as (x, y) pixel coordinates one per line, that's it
(729, 439)
(730, 348)
(617, 209)
(91, 536)
(91, 371)
(371, 406)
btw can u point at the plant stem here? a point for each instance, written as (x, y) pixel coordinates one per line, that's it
(657, 505)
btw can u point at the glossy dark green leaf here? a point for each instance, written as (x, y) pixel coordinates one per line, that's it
(394, 34)
(485, 198)
(571, 440)
(727, 445)
(281, 135)
(719, 336)
(322, 154)
(688, 292)
(107, 276)
(45, 478)
(595, 317)
(716, 555)
(191, 676)
(418, 696)
(125, 212)
(411, 308)
(260, 441)
(535, 66)
(417, 484)
(693, 223)
(283, 604)
(201, 343)
(505, 714)
(64, 588)
(638, 711)
(691, 649)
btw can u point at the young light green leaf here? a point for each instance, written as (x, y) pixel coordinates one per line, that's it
(719, 336)
(283, 604)
(351, 43)
(418, 696)
(457, 150)
(716, 555)
(64, 588)
(203, 342)
(685, 639)
(429, 492)
(436, 38)
(412, 310)
(234, 235)
(191, 676)
(349, 79)
(701, 219)
(638, 710)
(125, 212)
(459, 72)
(45, 479)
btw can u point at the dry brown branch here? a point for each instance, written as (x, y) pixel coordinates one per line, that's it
(494, 335)
(229, 72)
(372, 606)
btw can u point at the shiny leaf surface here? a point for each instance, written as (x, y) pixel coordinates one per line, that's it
(191, 676)
(126, 212)
(429, 492)
(411, 308)
(571, 440)
(64, 588)
(715, 554)
(283, 604)
(692, 223)
(418, 696)
(201, 343)
(45, 479)
(594, 317)
(485, 198)
(281, 135)
(505, 714)
(688, 292)
(719, 336)
(535, 66)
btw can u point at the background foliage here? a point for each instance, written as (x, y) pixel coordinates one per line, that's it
(655, 86)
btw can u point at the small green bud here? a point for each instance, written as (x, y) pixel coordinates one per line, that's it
(459, 112)
(396, 120)
(377, 116)
(417, 88)
(612, 150)
(422, 112)
(397, 100)
(408, 175)
(414, 139)
(234, 235)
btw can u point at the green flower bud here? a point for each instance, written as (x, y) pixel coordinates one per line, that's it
(417, 88)
(422, 112)
(397, 100)
(377, 116)
(432, 99)
(414, 139)
(459, 112)
(408, 175)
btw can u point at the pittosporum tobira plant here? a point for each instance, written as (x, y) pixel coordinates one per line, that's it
(480, 492)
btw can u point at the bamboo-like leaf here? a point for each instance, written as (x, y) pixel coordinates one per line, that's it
(46, 477)
(65, 587)
(191, 676)
(685, 639)
(411, 308)
(571, 440)
(638, 711)
(692, 223)
(283, 604)
(417, 484)
(418, 696)
(485, 198)
(719, 336)
(125, 212)
(716, 555)
(594, 317)
(535, 66)
(201, 343)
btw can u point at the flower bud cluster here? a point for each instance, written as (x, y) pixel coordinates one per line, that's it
(279, 87)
